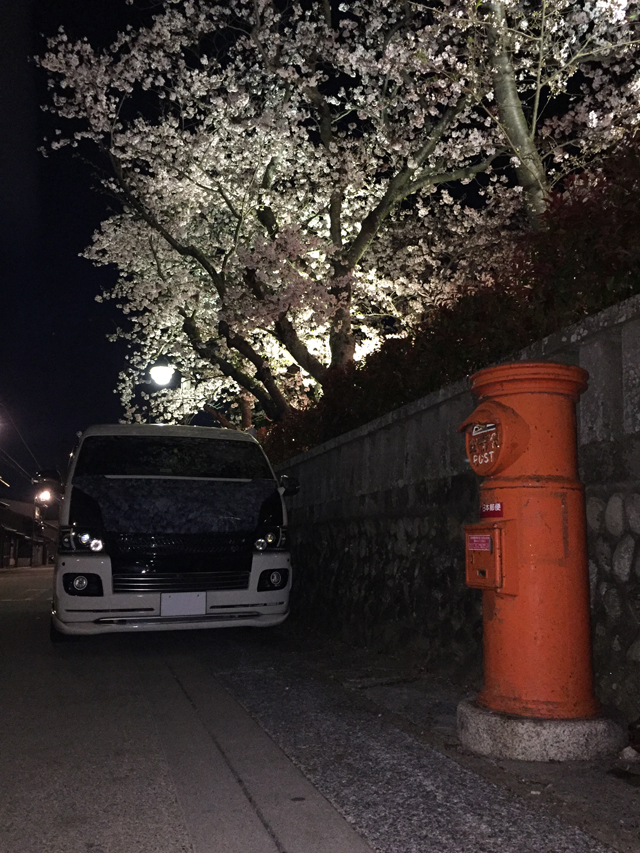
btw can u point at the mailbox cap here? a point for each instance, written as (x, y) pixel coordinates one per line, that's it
(529, 377)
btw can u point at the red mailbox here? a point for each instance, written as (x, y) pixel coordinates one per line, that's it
(528, 551)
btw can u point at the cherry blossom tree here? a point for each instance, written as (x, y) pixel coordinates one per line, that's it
(296, 180)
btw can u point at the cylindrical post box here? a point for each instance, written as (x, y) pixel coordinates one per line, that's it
(528, 552)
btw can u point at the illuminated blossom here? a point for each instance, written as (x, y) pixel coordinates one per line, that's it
(295, 185)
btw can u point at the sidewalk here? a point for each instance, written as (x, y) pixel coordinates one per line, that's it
(600, 797)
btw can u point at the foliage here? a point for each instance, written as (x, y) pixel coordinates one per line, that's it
(297, 183)
(586, 258)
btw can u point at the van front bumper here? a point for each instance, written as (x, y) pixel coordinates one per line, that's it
(150, 611)
(113, 623)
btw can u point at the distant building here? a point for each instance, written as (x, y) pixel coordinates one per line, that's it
(26, 537)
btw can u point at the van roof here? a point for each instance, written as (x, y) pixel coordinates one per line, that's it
(216, 433)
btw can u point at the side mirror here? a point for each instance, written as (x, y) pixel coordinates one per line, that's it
(290, 485)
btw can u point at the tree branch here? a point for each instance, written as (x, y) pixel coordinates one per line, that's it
(335, 218)
(263, 372)
(396, 191)
(208, 350)
(222, 419)
(267, 218)
(536, 101)
(326, 119)
(531, 174)
(269, 174)
(150, 219)
(326, 12)
(429, 179)
(286, 334)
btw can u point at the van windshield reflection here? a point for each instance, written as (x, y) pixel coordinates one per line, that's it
(168, 456)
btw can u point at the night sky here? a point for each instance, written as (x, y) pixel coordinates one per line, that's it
(57, 369)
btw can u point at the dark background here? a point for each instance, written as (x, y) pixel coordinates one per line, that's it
(58, 371)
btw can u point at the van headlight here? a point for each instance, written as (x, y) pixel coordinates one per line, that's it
(78, 539)
(269, 538)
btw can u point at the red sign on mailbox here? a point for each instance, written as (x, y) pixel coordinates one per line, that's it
(492, 510)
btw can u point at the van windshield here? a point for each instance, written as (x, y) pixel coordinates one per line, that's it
(171, 456)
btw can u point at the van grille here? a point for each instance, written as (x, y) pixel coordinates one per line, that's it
(180, 563)
(180, 581)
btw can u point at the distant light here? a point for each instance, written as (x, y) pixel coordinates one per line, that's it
(162, 373)
(44, 496)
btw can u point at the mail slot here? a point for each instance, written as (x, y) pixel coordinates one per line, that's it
(483, 556)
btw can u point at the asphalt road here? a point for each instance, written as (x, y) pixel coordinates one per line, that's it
(222, 742)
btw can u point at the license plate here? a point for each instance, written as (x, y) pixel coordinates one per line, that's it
(183, 603)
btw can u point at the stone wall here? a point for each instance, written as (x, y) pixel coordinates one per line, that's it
(377, 532)
(614, 575)
(377, 527)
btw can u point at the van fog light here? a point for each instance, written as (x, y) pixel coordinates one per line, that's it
(260, 544)
(86, 584)
(272, 579)
(96, 544)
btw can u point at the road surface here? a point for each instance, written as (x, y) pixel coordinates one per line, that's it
(221, 742)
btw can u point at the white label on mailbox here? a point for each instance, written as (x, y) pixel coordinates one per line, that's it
(479, 542)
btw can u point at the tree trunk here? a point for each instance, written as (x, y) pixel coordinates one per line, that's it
(531, 173)
(246, 407)
(341, 341)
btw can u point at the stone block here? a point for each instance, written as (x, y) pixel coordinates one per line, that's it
(595, 513)
(630, 359)
(601, 405)
(614, 515)
(632, 512)
(623, 557)
(603, 554)
(633, 652)
(593, 582)
(630, 457)
(611, 601)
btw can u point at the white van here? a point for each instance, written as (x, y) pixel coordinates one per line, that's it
(165, 527)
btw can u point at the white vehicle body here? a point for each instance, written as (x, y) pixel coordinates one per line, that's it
(165, 527)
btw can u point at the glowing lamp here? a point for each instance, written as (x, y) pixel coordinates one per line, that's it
(162, 373)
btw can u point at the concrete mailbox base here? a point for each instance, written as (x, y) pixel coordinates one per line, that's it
(499, 735)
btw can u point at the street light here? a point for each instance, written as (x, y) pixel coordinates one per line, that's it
(162, 371)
